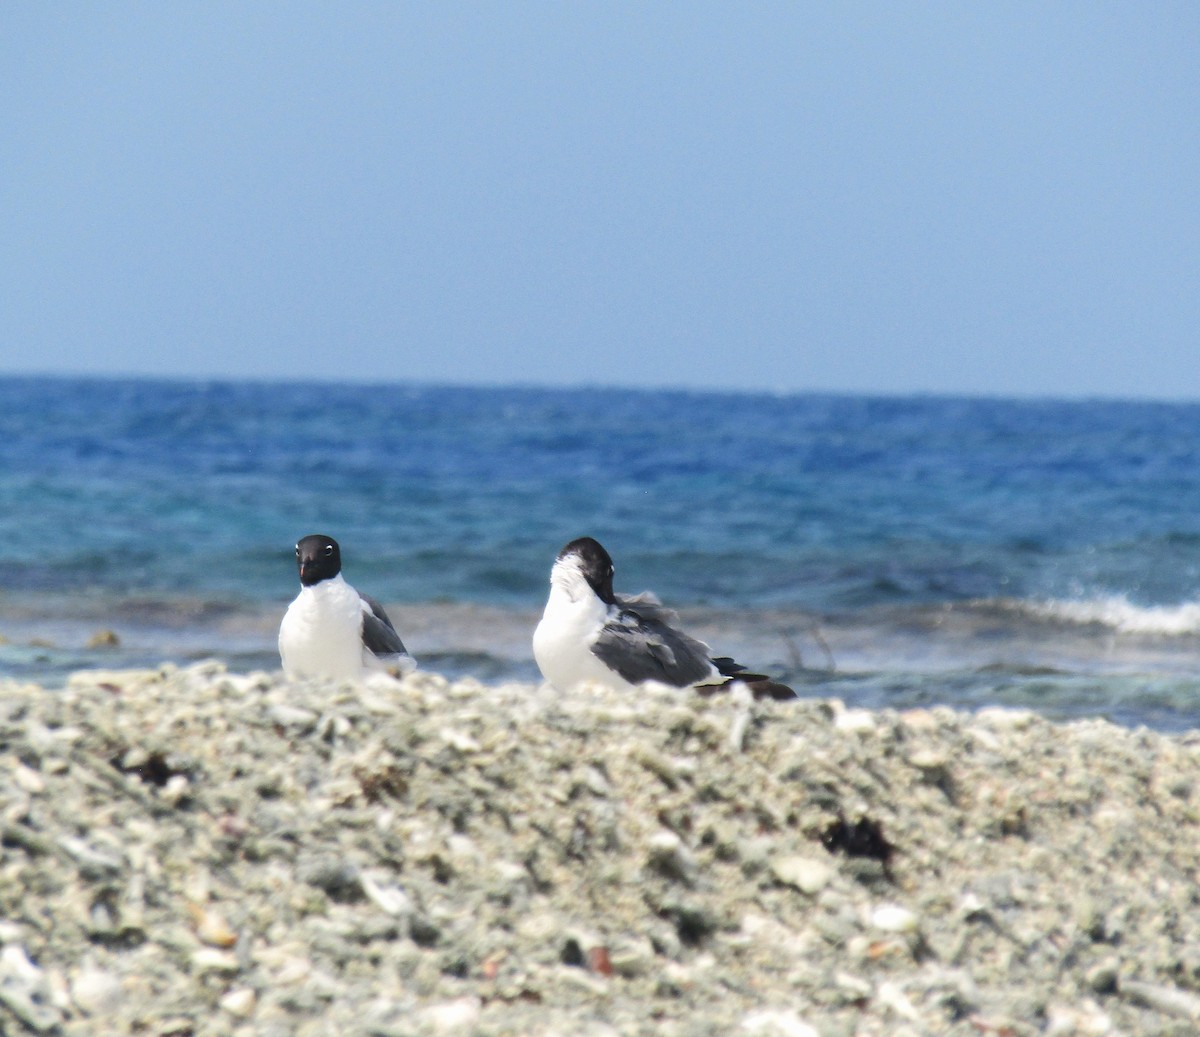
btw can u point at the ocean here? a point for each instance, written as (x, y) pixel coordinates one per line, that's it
(886, 551)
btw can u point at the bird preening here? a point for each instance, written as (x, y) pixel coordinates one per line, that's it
(589, 633)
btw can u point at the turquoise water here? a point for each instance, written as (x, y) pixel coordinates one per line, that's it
(890, 551)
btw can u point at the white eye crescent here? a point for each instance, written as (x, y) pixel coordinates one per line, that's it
(329, 549)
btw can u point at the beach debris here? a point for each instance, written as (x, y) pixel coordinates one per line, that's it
(385, 782)
(104, 639)
(152, 767)
(861, 838)
(599, 960)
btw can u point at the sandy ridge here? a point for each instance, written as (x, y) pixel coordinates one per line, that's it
(190, 851)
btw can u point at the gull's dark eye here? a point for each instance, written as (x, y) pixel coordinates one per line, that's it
(297, 550)
(329, 549)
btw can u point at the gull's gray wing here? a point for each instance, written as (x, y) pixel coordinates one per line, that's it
(639, 644)
(648, 606)
(378, 634)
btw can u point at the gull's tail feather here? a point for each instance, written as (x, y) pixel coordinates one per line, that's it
(760, 684)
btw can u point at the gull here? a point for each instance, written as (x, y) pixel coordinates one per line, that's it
(589, 633)
(330, 630)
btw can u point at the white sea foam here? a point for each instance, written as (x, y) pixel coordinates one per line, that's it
(1120, 614)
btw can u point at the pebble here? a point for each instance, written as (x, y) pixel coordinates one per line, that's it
(25, 991)
(292, 970)
(891, 996)
(211, 960)
(239, 1002)
(807, 874)
(1084, 1020)
(452, 1016)
(852, 989)
(596, 781)
(460, 740)
(390, 899)
(1102, 977)
(738, 729)
(892, 918)
(294, 717)
(211, 927)
(175, 790)
(855, 721)
(1001, 718)
(1181, 1004)
(632, 957)
(96, 991)
(668, 855)
(29, 780)
(92, 863)
(929, 759)
(777, 1023)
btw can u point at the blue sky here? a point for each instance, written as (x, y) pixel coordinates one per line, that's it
(933, 197)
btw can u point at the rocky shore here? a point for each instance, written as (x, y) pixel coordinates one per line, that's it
(195, 852)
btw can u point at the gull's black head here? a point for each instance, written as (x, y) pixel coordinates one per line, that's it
(595, 565)
(318, 558)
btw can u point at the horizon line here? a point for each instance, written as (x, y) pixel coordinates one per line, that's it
(367, 382)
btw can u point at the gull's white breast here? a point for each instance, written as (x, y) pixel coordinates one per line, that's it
(562, 641)
(321, 632)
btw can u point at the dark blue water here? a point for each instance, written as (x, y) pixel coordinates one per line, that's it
(922, 549)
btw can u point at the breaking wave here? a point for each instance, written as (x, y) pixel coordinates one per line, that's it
(1118, 613)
